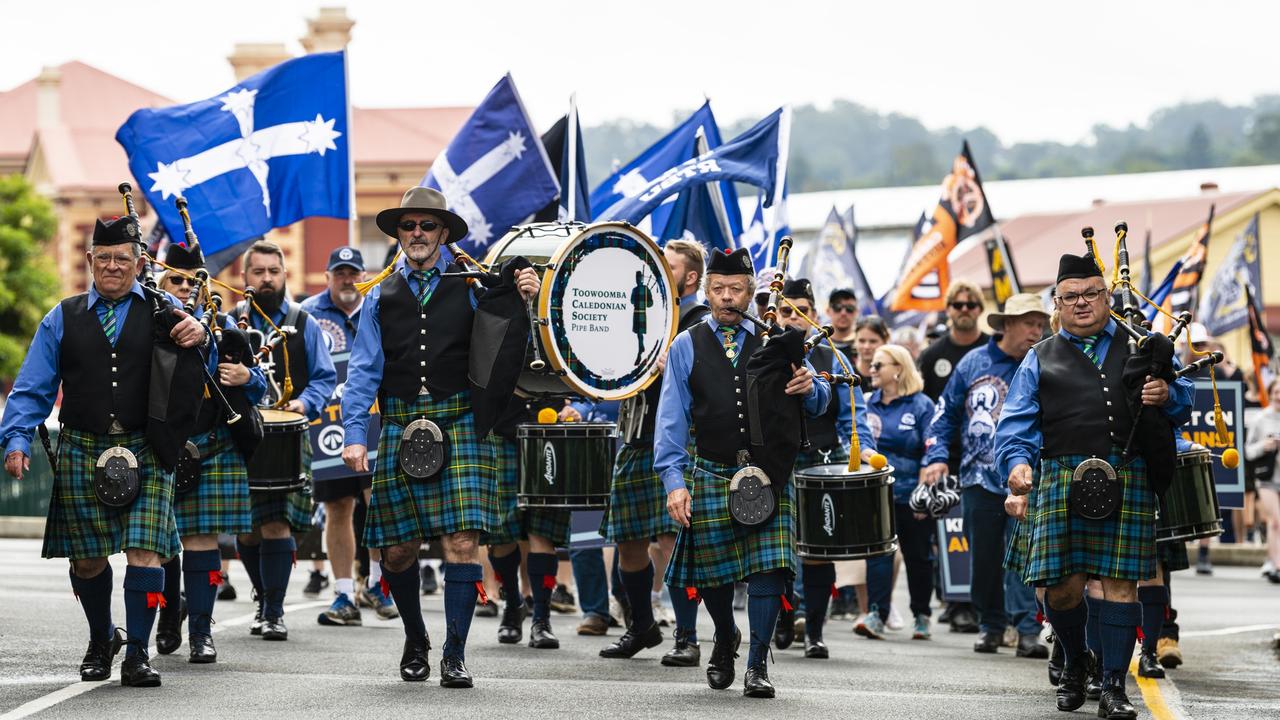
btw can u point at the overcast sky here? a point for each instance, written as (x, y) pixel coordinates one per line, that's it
(1027, 70)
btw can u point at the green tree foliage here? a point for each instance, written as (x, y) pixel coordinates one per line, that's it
(28, 283)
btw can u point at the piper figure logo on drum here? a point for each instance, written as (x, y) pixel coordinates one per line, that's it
(828, 515)
(549, 463)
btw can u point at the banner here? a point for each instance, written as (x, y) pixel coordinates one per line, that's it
(1186, 285)
(1004, 277)
(961, 212)
(1260, 346)
(954, 564)
(1200, 430)
(1225, 306)
(832, 263)
(326, 432)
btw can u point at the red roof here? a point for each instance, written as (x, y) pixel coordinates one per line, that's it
(395, 136)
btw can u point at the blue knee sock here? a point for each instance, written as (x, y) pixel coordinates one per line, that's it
(719, 604)
(277, 564)
(507, 571)
(1120, 623)
(202, 574)
(686, 612)
(143, 593)
(460, 593)
(173, 582)
(1093, 630)
(1154, 600)
(404, 590)
(818, 580)
(251, 558)
(637, 586)
(542, 576)
(1069, 627)
(95, 600)
(764, 602)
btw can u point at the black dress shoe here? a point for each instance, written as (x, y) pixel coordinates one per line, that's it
(255, 627)
(720, 667)
(633, 642)
(135, 671)
(274, 629)
(1093, 682)
(1056, 661)
(816, 649)
(755, 683)
(168, 629)
(413, 662)
(685, 653)
(1149, 667)
(511, 628)
(453, 674)
(785, 632)
(1070, 695)
(988, 642)
(97, 660)
(1029, 646)
(202, 650)
(1114, 703)
(541, 637)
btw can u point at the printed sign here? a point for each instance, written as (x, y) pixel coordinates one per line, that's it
(326, 432)
(954, 548)
(1200, 430)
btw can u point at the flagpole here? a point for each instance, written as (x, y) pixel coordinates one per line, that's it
(571, 139)
(713, 190)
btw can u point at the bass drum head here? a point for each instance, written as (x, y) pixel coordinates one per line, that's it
(611, 311)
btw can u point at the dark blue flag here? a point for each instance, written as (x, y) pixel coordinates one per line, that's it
(1226, 306)
(574, 201)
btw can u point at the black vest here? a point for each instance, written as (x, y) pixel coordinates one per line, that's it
(690, 315)
(211, 411)
(101, 383)
(299, 371)
(822, 429)
(719, 394)
(1082, 408)
(425, 346)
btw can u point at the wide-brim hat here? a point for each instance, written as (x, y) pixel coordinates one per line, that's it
(1020, 304)
(423, 199)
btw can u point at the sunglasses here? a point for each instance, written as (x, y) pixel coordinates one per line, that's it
(180, 280)
(426, 225)
(965, 305)
(844, 308)
(877, 365)
(785, 311)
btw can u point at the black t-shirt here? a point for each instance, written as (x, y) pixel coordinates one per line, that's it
(938, 360)
(851, 354)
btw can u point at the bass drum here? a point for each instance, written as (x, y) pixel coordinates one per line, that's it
(606, 312)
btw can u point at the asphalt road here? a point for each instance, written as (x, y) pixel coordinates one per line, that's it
(1227, 620)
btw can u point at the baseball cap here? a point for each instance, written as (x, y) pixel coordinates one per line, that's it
(345, 256)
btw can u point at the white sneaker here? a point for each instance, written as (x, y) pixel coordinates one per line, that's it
(895, 620)
(662, 614)
(1268, 567)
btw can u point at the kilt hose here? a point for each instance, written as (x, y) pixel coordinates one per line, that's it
(637, 502)
(1122, 546)
(80, 527)
(516, 523)
(220, 502)
(463, 496)
(715, 550)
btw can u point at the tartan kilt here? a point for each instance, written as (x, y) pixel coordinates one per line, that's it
(462, 497)
(715, 550)
(1122, 546)
(1015, 556)
(220, 502)
(80, 527)
(516, 523)
(637, 501)
(814, 456)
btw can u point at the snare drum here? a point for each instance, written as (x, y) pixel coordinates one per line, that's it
(277, 465)
(606, 312)
(567, 465)
(844, 515)
(1190, 510)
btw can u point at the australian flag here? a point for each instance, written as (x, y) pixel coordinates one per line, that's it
(495, 172)
(272, 150)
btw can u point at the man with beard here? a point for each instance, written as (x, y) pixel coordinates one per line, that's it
(337, 310)
(267, 552)
(963, 428)
(703, 403)
(842, 310)
(412, 355)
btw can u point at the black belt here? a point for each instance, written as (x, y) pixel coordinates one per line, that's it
(731, 459)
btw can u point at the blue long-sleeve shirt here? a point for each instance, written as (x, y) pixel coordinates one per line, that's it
(36, 387)
(1018, 437)
(322, 378)
(364, 367)
(845, 419)
(671, 436)
(964, 423)
(899, 427)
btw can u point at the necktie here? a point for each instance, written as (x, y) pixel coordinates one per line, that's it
(730, 346)
(1090, 347)
(108, 319)
(424, 284)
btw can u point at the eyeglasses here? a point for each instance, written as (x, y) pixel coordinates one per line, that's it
(426, 225)
(108, 260)
(1069, 299)
(785, 310)
(965, 305)
(844, 308)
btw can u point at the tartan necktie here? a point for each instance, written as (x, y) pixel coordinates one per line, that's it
(424, 284)
(730, 346)
(1089, 345)
(108, 319)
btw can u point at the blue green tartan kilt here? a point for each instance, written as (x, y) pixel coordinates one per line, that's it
(715, 550)
(637, 501)
(516, 523)
(1122, 546)
(80, 527)
(219, 503)
(462, 497)
(822, 456)
(294, 508)
(1015, 556)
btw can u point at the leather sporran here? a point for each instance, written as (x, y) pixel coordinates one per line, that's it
(423, 450)
(1095, 491)
(116, 477)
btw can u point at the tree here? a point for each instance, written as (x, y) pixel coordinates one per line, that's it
(28, 282)
(1264, 136)
(1199, 152)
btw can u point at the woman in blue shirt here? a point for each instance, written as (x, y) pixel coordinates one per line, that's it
(899, 413)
